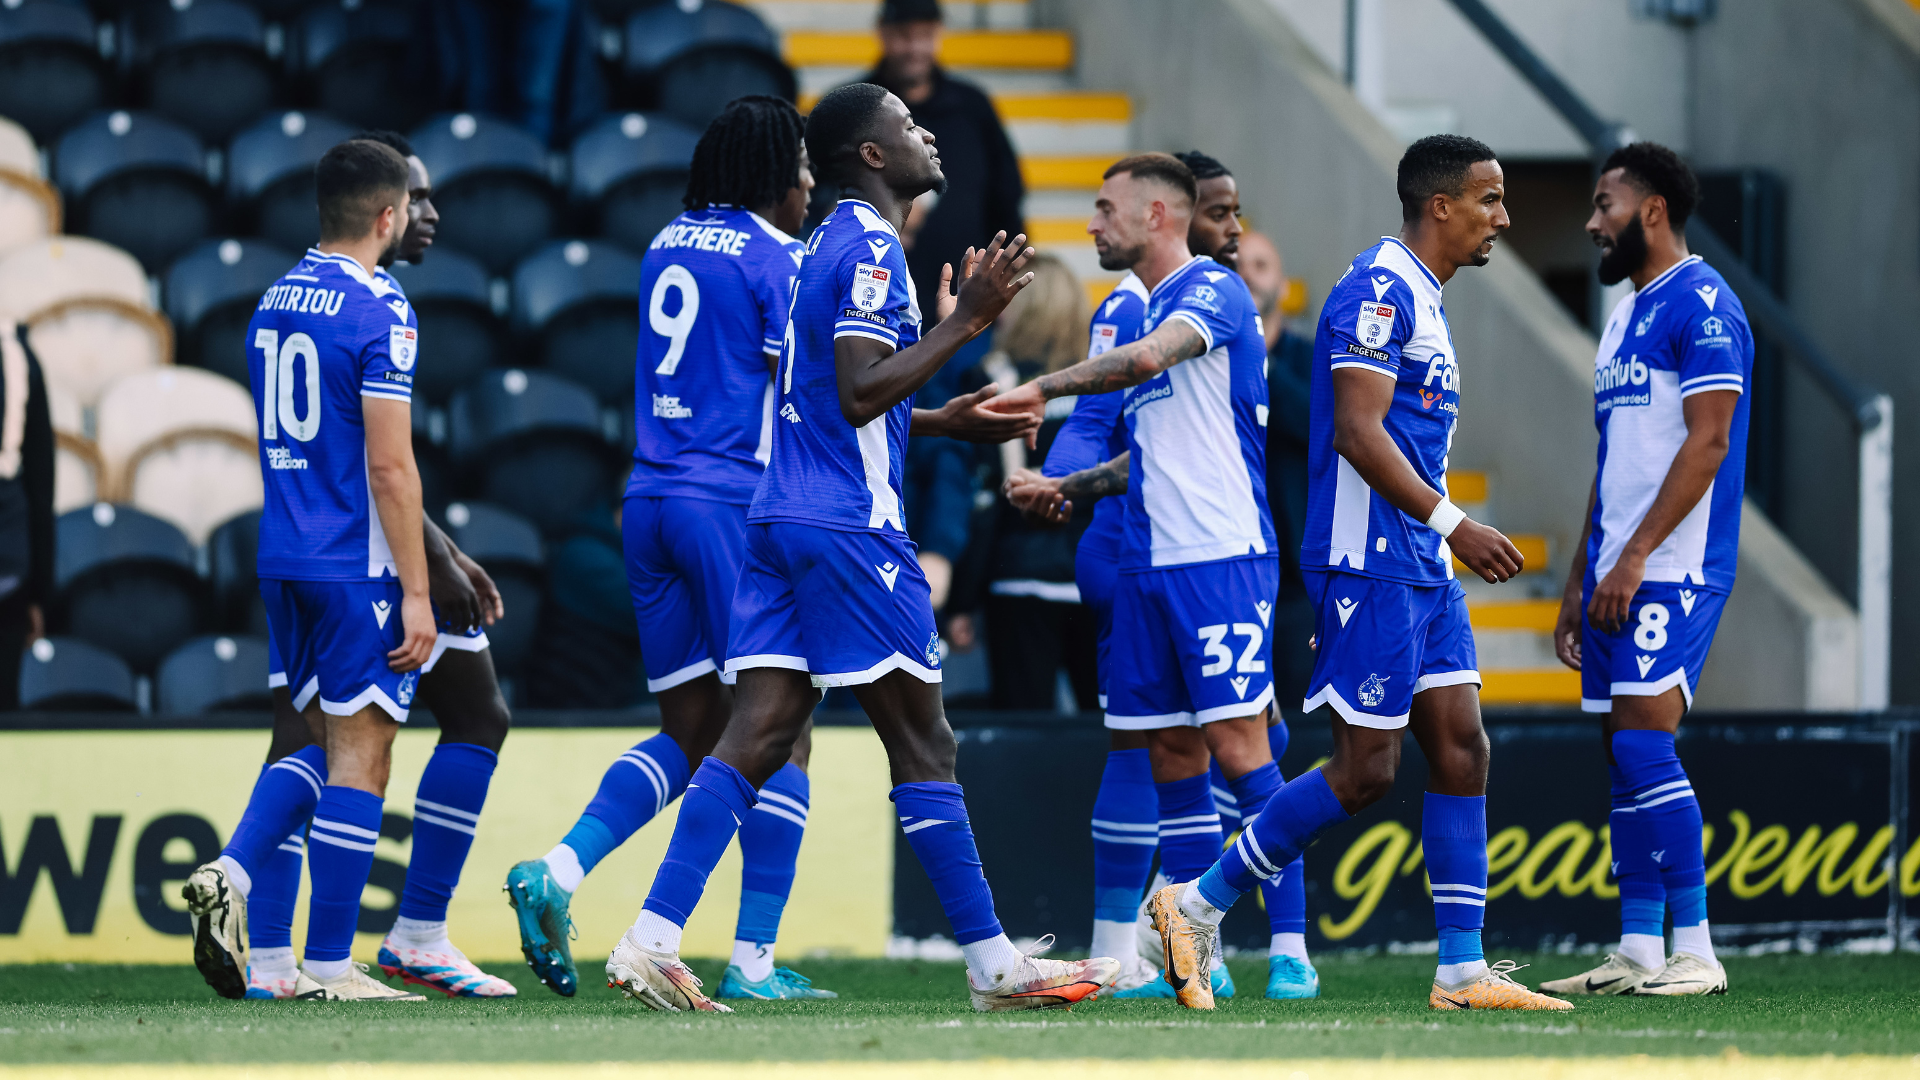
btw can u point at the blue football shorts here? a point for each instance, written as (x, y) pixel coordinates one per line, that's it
(1096, 572)
(473, 639)
(1663, 644)
(846, 606)
(1192, 644)
(1381, 642)
(683, 565)
(332, 638)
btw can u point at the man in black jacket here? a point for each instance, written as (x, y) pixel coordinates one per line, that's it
(26, 507)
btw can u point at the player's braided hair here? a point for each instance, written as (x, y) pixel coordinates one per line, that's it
(1655, 170)
(836, 128)
(1204, 167)
(749, 156)
(1436, 164)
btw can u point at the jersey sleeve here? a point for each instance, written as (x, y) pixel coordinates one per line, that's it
(773, 290)
(1213, 307)
(874, 295)
(392, 347)
(1081, 442)
(1367, 323)
(1711, 347)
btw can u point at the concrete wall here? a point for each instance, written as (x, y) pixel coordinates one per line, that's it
(1316, 171)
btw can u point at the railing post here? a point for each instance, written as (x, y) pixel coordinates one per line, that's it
(1876, 557)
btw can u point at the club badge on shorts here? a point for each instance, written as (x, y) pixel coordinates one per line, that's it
(870, 284)
(1374, 327)
(403, 342)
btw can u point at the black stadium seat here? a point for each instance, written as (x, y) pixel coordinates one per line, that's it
(509, 547)
(50, 69)
(532, 442)
(202, 63)
(125, 581)
(576, 303)
(492, 186)
(66, 674)
(270, 174)
(430, 457)
(137, 181)
(690, 59)
(628, 174)
(452, 298)
(232, 550)
(215, 672)
(349, 57)
(211, 293)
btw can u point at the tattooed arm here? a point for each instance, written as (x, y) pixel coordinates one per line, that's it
(1116, 369)
(1051, 498)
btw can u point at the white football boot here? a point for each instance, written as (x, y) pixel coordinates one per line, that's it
(1687, 975)
(355, 985)
(1617, 974)
(657, 980)
(1139, 974)
(1045, 984)
(218, 915)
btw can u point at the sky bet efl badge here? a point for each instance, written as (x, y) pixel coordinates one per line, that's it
(404, 343)
(1375, 325)
(870, 286)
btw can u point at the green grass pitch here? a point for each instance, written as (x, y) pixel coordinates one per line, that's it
(914, 1010)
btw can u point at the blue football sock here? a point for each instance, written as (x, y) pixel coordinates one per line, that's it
(1294, 815)
(445, 814)
(282, 801)
(1126, 824)
(1285, 895)
(1277, 739)
(276, 887)
(1643, 900)
(345, 826)
(1224, 802)
(1453, 833)
(1252, 791)
(637, 787)
(718, 798)
(1190, 835)
(1663, 798)
(769, 846)
(934, 817)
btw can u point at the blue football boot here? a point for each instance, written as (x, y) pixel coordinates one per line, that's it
(785, 984)
(1158, 987)
(1290, 978)
(545, 927)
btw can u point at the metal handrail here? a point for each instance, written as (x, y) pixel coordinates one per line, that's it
(1870, 412)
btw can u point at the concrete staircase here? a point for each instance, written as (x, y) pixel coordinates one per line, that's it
(1513, 622)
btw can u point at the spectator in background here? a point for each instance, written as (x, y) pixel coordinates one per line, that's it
(1018, 572)
(528, 61)
(26, 506)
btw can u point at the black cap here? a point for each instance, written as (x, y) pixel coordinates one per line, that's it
(907, 11)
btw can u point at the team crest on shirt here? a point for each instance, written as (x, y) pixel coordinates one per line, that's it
(1374, 327)
(403, 344)
(1646, 323)
(1373, 691)
(870, 284)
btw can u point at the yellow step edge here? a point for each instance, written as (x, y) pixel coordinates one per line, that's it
(1533, 553)
(1066, 105)
(1535, 615)
(1098, 289)
(1466, 485)
(1541, 686)
(1065, 172)
(1060, 230)
(1044, 50)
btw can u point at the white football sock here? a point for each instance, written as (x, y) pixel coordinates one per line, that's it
(1694, 940)
(327, 970)
(420, 934)
(990, 960)
(1196, 907)
(1647, 950)
(1294, 945)
(754, 960)
(273, 963)
(1455, 976)
(655, 932)
(564, 866)
(1116, 940)
(237, 874)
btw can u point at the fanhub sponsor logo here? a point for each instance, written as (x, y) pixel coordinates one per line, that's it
(1616, 373)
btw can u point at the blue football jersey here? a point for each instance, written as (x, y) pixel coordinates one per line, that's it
(1385, 315)
(1684, 334)
(853, 282)
(1093, 433)
(326, 335)
(1197, 482)
(715, 287)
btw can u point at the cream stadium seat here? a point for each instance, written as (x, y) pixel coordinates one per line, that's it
(77, 471)
(179, 443)
(87, 310)
(29, 206)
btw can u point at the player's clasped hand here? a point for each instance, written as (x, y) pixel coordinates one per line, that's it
(416, 617)
(1486, 551)
(965, 418)
(1037, 496)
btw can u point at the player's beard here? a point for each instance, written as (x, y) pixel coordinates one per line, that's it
(1119, 258)
(1628, 252)
(392, 253)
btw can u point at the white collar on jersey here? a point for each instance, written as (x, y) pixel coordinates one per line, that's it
(770, 229)
(1402, 245)
(1184, 267)
(352, 268)
(869, 216)
(1667, 275)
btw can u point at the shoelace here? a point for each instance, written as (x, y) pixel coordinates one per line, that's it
(1503, 970)
(1043, 945)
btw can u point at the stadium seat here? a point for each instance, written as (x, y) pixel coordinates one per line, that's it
(77, 471)
(87, 311)
(202, 63)
(430, 457)
(453, 300)
(215, 672)
(628, 174)
(29, 207)
(509, 547)
(50, 69)
(180, 443)
(270, 174)
(532, 442)
(231, 553)
(690, 59)
(348, 57)
(492, 185)
(211, 294)
(66, 674)
(38, 276)
(125, 581)
(137, 181)
(576, 304)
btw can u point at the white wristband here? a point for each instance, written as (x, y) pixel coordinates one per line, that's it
(1445, 518)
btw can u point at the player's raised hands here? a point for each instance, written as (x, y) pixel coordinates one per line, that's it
(944, 298)
(994, 277)
(1486, 551)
